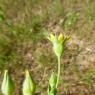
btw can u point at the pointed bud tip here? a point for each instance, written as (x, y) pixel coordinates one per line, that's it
(6, 71)
(27, 72)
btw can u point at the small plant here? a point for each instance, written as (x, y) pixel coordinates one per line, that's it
(71, 19)
(8, 86)
(58, 47)
(29, 85)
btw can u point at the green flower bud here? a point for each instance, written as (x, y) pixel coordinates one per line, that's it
(53, 80)
(58, 43)
(29, 85)
(52, 84)
(8, 86)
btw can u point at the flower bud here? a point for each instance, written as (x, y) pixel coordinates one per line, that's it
(28, 85)
(8, 86)
(52, 84)
(53, 80)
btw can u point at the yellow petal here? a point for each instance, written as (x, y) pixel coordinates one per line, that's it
(51, 37)
(61, 37)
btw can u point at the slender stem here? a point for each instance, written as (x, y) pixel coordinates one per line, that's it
(58, 74)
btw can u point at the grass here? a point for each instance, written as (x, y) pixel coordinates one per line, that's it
(23, 28)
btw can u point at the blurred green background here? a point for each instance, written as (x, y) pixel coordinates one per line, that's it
(24, 25)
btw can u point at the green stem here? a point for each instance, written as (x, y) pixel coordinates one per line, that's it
(58, 74)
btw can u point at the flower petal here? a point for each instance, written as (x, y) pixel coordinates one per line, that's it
(61, 38)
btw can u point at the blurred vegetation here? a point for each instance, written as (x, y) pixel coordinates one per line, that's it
(24, 25)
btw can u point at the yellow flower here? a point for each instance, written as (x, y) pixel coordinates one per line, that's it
(58, 43)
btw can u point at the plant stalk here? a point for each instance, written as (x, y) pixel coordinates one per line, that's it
(58, 74)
